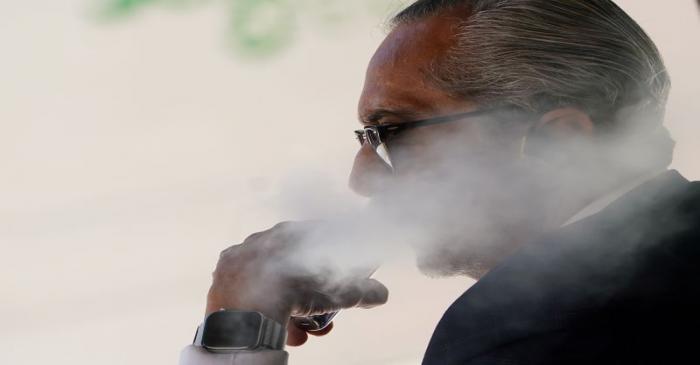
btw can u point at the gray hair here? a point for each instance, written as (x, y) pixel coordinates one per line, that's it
(542, 54)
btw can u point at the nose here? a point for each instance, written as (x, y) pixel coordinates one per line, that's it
(369, 172)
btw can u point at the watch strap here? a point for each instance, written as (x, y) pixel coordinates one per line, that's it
(272, 337)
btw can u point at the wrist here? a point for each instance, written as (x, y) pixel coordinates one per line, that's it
(227, 331)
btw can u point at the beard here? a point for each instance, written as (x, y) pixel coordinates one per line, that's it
(467, 224)
(473, 252)
(446, 263)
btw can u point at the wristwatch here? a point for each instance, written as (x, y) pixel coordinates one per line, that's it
(228, 331)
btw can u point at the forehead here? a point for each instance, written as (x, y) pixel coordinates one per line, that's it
(398, 74)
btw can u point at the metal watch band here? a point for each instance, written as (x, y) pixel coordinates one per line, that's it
(273, 336)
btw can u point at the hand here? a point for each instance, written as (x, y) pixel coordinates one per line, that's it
(262, 275)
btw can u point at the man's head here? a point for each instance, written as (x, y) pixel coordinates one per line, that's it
(572, 85)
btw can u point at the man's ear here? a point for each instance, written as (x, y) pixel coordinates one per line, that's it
(555, 131)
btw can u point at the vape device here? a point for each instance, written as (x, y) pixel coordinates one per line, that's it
(321, 321)
(314, 323)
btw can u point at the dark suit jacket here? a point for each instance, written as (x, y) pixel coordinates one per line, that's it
(619, 287)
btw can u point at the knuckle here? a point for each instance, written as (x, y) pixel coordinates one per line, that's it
(254, 237)
(228, 254)
(282, 225)
(230, 260)
(274, 238)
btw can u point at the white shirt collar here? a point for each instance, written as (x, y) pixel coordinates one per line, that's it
(602, 202)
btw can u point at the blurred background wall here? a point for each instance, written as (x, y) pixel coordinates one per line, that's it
(138, 138)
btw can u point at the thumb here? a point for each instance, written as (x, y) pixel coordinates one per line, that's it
(364, 293)
(373, 294)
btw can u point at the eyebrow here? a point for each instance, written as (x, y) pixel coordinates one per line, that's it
(377, 115)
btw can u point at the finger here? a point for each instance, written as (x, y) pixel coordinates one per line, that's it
(322, 332)
(295, 335)
(366, 293)
(374, 294)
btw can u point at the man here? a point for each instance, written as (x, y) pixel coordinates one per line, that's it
(529, 135)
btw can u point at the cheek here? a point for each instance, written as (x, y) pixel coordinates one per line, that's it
(433, 148)
(456, 152)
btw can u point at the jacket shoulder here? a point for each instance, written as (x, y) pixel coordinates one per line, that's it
(613, 272)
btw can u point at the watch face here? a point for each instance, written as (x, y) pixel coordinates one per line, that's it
(232, 330)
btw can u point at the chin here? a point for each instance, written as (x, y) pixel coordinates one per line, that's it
(459, 257)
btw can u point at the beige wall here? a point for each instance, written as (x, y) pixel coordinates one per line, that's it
(131, 153)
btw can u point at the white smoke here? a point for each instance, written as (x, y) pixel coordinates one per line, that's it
(462, 210)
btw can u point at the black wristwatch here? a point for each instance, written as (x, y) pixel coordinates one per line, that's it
(228, 331)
